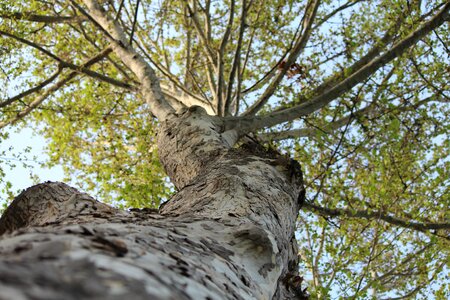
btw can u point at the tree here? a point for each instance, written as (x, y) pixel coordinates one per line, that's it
(238, 92)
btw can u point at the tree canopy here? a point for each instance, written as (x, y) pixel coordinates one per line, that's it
(356, 91)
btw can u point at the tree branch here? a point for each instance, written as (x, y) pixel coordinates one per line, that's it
(334, 12)
(184, 96)
(43, 19)
(392, 271)
(236, 60)
(149, 81)
(33, 45)
(329, 128)
(220, 63)
(30, 107)
(429, 83)
(272, 71)
(133, 27)
(248, 50)
(247, 124)
(65, 64)
(32, 90)
(370, 55)
(376, 215)
(193, 14)
(121, 69)
(204, 37)
(188, 63)
(310, 14)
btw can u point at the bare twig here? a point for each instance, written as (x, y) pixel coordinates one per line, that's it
(119, 10)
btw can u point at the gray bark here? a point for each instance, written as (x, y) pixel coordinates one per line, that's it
(228, 233)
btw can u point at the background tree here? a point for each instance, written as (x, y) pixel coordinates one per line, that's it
(356, 91)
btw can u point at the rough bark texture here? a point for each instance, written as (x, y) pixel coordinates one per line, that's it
(228, 233)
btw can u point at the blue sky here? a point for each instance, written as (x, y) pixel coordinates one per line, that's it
(19, 176)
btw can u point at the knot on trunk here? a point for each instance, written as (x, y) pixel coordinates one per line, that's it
(284, 164)
(253, 241)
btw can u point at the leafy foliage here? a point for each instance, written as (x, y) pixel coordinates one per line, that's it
(375, 157)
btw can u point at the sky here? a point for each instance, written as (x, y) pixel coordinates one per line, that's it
(19, 176)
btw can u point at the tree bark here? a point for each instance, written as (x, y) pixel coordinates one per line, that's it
(228, 232)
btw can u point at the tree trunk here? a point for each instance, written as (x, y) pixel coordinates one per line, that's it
(228, 233)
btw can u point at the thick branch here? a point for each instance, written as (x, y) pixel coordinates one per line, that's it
(310, 132)
(370, 55)
(329, 128)
(356, 66)
(183, 95)
(43, 19)
(220, 62)
(186, 99)
(149, 81)
(210, 54)
(246, 124)
(376, 215)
